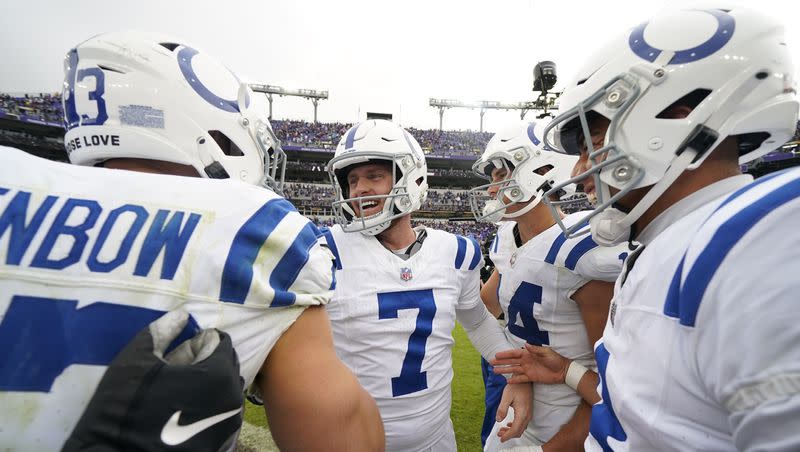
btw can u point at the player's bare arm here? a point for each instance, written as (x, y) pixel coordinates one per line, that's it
(573, 433)
(594, 299)
(307, 389)
(543, 365)
(489, 294)
(488, 337)
(519, 395)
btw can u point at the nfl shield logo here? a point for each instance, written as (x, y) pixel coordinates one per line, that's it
(405, 274)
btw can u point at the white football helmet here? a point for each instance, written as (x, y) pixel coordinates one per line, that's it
(520, 151)
(149, 96)
(729, 63)
(373, 140)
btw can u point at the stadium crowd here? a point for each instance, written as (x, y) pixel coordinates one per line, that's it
(449, 143)
(27, 140)
(483, 232)
(436, 143)
(43, 107)
(319, 195)
(315, 166)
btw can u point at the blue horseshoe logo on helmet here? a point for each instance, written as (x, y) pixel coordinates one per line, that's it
(185, 56)
(726, 24)
(532, 134)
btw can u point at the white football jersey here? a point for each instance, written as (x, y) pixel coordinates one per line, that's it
(393, 321)
(90, 256)
(702, 348)
(534, 290)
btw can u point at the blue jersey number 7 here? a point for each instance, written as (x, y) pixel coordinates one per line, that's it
(411, 378)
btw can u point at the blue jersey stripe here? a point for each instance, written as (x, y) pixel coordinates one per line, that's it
(462, 250)
(332, 246)
(671, 306)
(555, 248)
(476, 256)
(496, 243)
(750, 186)
(577, 252)
(237, 275)
(293, 260)
(724, 239)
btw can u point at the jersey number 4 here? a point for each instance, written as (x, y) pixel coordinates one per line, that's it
(521, 305)
(412, 378)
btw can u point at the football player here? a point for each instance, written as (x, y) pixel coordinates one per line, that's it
(553, 291)
(400, 289)
(701, 348)
(90, 256)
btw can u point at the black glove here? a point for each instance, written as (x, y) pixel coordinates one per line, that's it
(189, 400)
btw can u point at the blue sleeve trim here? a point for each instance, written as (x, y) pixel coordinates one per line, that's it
(476, 257)
(287, 269)
(237, 275)
(462, 250)
(555, 248)
(332, 246)
(583, 247)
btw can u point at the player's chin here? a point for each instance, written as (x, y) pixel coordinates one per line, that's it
(514, 207)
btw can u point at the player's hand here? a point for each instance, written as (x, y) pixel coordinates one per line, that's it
(532, 364)
(189, 399)
(520, 398)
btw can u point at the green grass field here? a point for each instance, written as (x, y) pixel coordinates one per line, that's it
(467, 412)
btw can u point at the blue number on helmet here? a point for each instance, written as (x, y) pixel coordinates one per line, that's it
(71, 117)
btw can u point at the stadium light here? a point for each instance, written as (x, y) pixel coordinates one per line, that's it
(312, 94)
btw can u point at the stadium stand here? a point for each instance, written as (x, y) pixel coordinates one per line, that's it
(33, 122)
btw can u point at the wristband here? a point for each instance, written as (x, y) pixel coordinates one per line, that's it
(574, 374)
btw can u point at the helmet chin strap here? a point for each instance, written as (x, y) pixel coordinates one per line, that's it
(498, 211)
(612, 226)
(521, 211)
